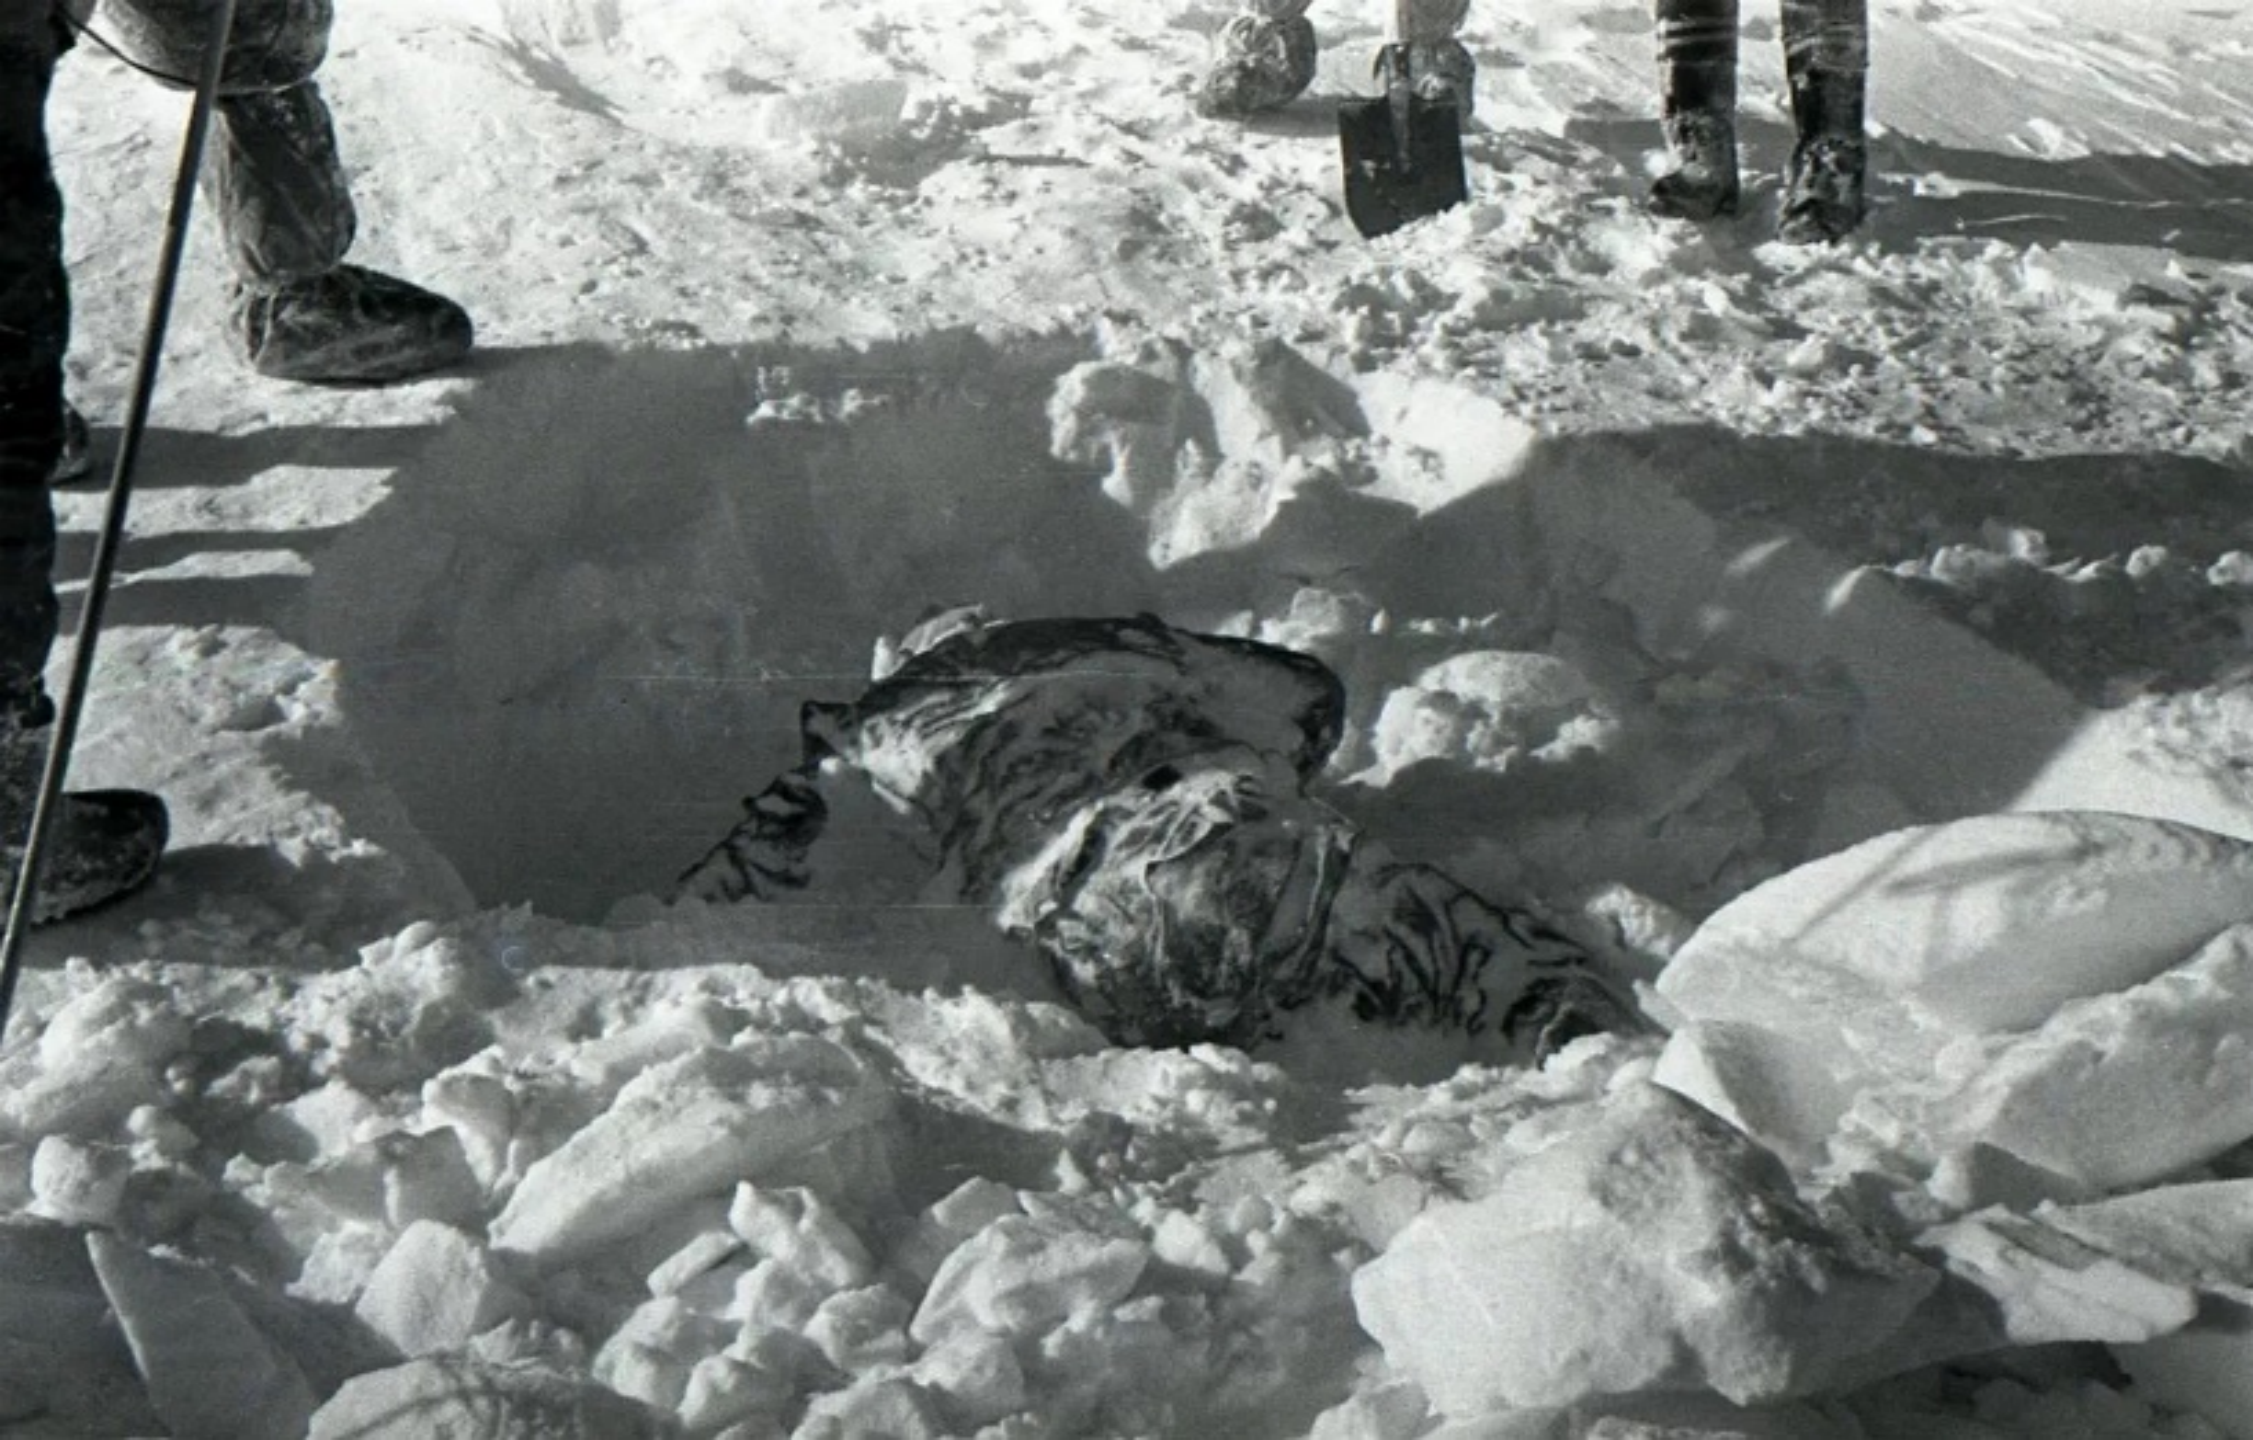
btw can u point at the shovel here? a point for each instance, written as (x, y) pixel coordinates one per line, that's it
(1403, 154)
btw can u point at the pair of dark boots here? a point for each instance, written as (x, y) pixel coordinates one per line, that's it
(1823, 198)
(1263, 62)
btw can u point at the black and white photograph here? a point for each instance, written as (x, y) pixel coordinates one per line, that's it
(1126, 719)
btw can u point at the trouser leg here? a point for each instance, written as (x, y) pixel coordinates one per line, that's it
(34, 333)
(1424, 22)
(1439, 67)
(279, 187)
(1697, 45)
(274, 177)
(1826, 61)
(1697, 49)
(285, 207)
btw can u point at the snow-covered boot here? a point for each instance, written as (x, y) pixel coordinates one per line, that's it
(1823, 194)
(1703, 182)
(1826, 60)
(1697, 108)
(1439, 68)
(103, 846)
(1443, 71)
(1262, 59)
(347, 326)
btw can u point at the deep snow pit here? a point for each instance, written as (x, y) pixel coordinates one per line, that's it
(834, 1206)
(581, 627)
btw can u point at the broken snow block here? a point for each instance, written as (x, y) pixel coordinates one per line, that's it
(479, 1108)
(975, 1377)
(1392, 1411)
(434, 1290)
(1871, 971)
(1022, 1275)
(2120, 1089)
(101, 1055)
(798, 1231)
(954, 1218)
(209, 1371)
(338, 1267)
(1989, 923)
(1654, 1250)
(723, 1390)
(1782, 1090)
(59, 1349)
(2196, 1235)
(649, 1356)
(2049, 1287)
(772, 1296)
(319, 1124)
(428, 1177)
(1978, 1175)
(705, 1252)
(79, 1182)
(894, 1408)
(669, 1033)
(453, 1395)
(688, 1128)
(861, 1329)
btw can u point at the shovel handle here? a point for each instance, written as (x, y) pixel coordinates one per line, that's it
(1392, 73)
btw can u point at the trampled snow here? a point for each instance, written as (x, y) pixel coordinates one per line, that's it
(1658, 561)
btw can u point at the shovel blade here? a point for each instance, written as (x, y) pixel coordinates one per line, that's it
(1390, 183)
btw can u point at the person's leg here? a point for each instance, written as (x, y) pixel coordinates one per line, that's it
(1826, 60)
(1439, 68)
(34, 330)
(1263, 58)
(1697, 42)
(103, 845)
(277, 182)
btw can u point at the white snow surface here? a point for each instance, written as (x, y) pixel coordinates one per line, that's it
(1659, 560)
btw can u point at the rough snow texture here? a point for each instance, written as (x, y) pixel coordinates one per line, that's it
(435, 1290)
(455, 1396)
(690, 1127)
(211, 1373)
(2040, 985)
(1690, 1262)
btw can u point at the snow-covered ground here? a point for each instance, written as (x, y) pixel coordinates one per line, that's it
(1659, 560)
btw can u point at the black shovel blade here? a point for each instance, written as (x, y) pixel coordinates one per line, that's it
(1388, 183)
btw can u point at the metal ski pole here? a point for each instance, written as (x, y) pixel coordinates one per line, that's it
(120, 495)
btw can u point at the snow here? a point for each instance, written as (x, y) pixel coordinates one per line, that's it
(2026, 990)
(1658, 561)
(2036, 984)
(681, 1129)
(1691, 1263)
(210, 1371)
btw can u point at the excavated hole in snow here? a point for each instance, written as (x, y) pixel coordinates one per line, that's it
(581, 627)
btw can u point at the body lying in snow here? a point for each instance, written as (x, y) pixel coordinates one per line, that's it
(1131, 800)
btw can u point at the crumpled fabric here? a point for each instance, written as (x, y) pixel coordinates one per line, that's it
(1132, 801)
